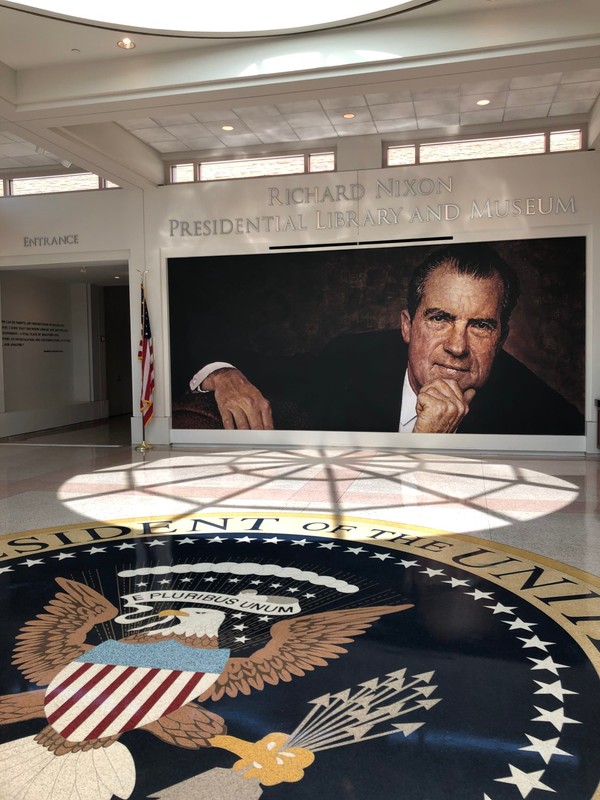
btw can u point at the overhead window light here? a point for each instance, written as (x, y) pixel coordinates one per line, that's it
(483, 102)
(125, 43)
(237, 17)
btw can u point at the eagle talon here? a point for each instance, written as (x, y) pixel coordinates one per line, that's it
(268, 761)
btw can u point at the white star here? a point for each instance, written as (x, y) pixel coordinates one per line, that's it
(157, 543)
(265, 619)
(431, 572)
(301, 542)
(165, 580)
(275, 586)
(546, 748)
(233, 580)
(8, 569)
(210, 580)
(241, 627)
(525, 782)
(274, 540)
(308, 595)
(535, 641)
(187, 540)
(142, 583)
(478, 595)
(329, 545)
(93, 550)
(500, 609)
(408, 564)
(245, 539)
(556, 717)
(547, 663)
(62, 556)
(186, 580)
(239, 615)
(215, 540)
(518, 624)
(292, 591)
(241, 639)
(355, 550)
(31, 562)
(454, 582)
(555, 689)
(126, 546)
(255, 583)
(382, 556)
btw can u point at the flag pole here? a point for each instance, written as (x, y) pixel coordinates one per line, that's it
(146, 357)
(143, 447)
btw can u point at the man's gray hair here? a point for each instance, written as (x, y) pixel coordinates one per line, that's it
(477, 260)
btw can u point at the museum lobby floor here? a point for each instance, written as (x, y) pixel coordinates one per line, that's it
(450, 605)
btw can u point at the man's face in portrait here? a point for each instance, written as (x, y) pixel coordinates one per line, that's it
(456, 330)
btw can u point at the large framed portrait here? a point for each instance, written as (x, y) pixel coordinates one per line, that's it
(359, 338)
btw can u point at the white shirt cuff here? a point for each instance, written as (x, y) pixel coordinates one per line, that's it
(196, 381)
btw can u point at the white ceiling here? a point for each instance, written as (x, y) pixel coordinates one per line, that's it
(67, 93)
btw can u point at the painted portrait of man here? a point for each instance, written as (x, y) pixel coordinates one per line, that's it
(460, 338)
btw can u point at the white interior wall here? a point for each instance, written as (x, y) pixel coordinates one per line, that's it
(37, 343)
(533, 179)
(103, 228)
(46, 363)
(127, 225)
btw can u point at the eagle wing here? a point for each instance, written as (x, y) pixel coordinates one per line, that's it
(57, 636)
(297, 646)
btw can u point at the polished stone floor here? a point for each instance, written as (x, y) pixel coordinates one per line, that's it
(523, 654)
(546, 504)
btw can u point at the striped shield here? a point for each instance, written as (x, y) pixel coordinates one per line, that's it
(116, 687)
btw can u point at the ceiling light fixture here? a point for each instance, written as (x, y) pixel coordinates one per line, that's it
(349, 116)
(125, 43)
(483, 102)
(227, 128)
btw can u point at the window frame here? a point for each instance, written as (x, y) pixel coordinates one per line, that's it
(546, 132)
(7, 182)
(198, 161)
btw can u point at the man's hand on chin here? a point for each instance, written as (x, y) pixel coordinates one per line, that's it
(441, 407)
(240, 403)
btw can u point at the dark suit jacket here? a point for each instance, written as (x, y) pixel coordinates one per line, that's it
(355, 384)
(359, 388)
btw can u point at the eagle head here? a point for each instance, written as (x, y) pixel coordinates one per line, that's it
(198, 622)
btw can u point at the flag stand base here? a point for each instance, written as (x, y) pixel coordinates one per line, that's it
(143, 447)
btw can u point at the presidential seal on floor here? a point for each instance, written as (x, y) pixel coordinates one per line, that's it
(280, 655)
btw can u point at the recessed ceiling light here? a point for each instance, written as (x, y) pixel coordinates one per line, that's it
(349, 116)
(125, 43)
(227, 128)
(483, 102)
(117, 277)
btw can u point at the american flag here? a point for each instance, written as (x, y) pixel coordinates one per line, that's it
(146, 356)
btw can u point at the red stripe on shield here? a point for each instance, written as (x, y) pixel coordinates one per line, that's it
(66, 683)
(185, 692)
(97, 701)
(131, 721)
(74, 698)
